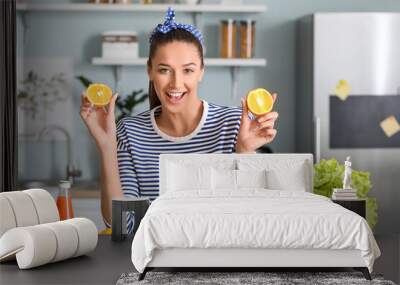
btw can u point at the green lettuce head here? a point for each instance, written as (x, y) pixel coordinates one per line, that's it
(328, 174)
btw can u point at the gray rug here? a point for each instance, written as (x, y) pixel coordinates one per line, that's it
(242, 278)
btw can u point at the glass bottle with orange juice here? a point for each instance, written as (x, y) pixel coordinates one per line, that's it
(64, 201)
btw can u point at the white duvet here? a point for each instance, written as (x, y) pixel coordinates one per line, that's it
(251, 218)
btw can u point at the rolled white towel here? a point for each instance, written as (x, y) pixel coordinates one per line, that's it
(45, 205)
(40, 244)
(7, 217)
(87, 234)
(23, 208)
(33, 246)
(67, 240)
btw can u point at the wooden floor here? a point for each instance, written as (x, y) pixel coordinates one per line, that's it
(388, 263)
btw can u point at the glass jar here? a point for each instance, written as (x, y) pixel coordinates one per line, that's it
(64, 201)
(247, 34)
(228, 38)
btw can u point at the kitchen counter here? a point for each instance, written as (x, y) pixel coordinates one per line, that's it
(88, 194)
(80, 189)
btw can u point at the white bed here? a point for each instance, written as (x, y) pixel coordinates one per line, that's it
(236, 210)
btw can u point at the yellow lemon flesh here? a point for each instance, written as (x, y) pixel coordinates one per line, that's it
(99, 94)
(259, 101)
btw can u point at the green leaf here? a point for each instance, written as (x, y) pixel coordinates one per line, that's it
(85, 81)
(372, 212)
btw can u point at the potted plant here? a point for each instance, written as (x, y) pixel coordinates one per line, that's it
(125, 105)
(38, 93)
(328, 174)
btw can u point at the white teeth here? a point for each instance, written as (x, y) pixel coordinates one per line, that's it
(175, 94)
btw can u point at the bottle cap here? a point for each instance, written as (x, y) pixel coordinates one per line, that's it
(65, 184)
(248, 22)
(229, 21)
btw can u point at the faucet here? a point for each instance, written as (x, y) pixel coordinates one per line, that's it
(71, 171)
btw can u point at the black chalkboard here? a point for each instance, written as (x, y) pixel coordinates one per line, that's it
(355, 122)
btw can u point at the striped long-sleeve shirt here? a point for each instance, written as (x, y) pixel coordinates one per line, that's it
(140, 143)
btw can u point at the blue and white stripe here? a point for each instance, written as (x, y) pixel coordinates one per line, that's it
(140, 144)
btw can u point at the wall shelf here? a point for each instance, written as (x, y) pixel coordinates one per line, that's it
(88, 7)
(233, 63)
(207, 61)
(197, 10)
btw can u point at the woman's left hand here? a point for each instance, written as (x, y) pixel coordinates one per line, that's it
(253, 134)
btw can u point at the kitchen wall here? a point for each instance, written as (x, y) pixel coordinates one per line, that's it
(66, 41)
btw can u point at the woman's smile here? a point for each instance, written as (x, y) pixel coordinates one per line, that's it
(175, 97)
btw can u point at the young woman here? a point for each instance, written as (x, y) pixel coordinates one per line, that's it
(178, 120)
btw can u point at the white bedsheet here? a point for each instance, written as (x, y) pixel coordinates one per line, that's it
(251, 218)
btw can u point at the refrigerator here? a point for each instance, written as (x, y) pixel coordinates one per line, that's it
(355, 55)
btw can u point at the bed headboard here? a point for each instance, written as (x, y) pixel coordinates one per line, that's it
(239, 161)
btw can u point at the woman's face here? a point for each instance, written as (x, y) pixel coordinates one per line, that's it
(176, 72)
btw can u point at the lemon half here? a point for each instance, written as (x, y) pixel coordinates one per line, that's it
(259, 101)
(99, 94)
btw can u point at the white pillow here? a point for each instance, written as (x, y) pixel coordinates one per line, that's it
(293, 180)
(205, 161)
(223, 179)
(182, 177)
(228, 179)
(251, 178)
(281, 174)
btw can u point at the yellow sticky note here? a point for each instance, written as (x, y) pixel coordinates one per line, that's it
(342, 89)
(390, 126)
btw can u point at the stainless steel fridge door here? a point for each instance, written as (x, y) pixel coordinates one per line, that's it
(364, 50)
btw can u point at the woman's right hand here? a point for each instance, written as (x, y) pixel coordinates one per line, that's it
(101, 122)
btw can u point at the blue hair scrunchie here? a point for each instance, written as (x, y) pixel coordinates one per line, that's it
(170, 25)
